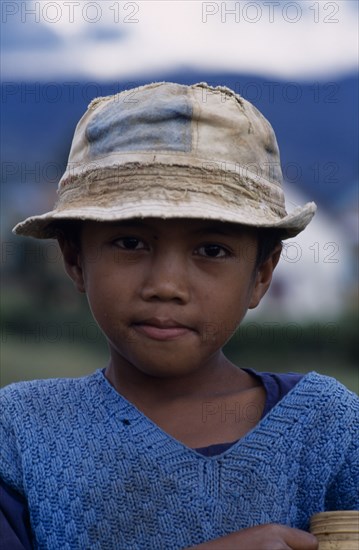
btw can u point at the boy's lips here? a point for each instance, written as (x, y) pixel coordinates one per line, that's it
(161, 328)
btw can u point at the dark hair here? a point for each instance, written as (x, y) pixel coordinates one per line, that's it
(268, 239)
(69, 230)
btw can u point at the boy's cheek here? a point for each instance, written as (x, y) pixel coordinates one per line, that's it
(217, 331)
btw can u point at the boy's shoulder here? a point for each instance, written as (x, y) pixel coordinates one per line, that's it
(315, 386)
(46, 392)
(324, 389)
(325, 403)
(327, 387)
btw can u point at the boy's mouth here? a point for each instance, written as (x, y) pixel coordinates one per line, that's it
(161, 328)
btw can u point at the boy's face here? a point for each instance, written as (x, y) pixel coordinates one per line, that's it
(168, 294)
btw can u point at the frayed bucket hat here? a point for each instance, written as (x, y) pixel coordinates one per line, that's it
(168, 150)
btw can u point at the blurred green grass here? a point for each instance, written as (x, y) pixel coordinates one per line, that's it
(31, 361)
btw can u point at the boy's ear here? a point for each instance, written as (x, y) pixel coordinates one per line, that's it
(72, 261)
(263, 277)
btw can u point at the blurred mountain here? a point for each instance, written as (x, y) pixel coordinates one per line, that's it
(315, 124)
(20, 31)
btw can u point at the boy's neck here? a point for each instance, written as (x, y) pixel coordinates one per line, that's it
(178, 405)
(218, 377)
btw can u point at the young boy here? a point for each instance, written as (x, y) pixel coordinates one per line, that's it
(170, 218)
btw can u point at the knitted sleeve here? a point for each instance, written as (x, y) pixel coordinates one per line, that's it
(343, 491)
(10, 454)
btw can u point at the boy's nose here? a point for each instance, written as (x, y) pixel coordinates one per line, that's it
(166, 279)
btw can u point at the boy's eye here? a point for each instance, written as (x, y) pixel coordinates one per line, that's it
(212, 251)
(130, 243)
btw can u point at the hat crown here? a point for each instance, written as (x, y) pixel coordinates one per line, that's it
(199, 124)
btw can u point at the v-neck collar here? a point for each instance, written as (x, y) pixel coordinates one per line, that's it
(124, 413)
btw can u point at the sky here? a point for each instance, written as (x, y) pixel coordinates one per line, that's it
(107, 39)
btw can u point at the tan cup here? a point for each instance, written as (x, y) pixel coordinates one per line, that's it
(336, 530)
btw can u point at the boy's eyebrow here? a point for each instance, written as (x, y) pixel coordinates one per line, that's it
(221, 229)
(142, 224)
(129, 223)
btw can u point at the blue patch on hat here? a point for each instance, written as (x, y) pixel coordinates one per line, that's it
(161, 123)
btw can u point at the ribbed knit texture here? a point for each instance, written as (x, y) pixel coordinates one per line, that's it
(98, 474)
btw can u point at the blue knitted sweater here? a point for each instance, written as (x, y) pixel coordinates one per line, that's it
(97, 473)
